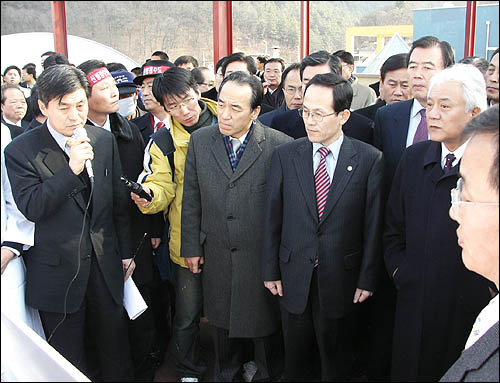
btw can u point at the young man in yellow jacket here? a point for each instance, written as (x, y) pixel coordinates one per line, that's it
(163, 178)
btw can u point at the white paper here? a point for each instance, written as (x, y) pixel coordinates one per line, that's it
(132, 299)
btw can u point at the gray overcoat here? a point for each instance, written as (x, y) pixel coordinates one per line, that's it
(222, 219)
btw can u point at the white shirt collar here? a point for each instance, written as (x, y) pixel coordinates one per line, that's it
(166, 121)
(60, 138)
(107, 124)
(458, 153)
(12, 123)
(334, 147)
(416, 108)
(484, 321)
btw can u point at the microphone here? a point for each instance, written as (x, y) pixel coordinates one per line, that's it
(82, 133)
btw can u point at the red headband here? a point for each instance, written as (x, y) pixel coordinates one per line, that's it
(154, 70)
(98, 75)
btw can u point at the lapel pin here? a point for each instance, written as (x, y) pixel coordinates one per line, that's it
(349, 168)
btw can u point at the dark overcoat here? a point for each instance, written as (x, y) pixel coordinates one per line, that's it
(438, 299)
(222, 219)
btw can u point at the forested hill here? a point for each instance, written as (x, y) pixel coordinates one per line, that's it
(137, 28)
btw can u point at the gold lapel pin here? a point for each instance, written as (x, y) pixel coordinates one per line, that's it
(349, 168)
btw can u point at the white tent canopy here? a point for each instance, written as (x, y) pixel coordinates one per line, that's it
(22, 48)
(395, 45)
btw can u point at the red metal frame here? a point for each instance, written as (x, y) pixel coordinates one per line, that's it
(470, 28)
(59, 27)
(304, 29)
(223, 29)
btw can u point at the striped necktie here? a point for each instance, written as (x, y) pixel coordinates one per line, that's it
(322, 181)
(450, 157)
(422, 133)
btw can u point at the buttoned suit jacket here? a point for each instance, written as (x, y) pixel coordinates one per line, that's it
(222, 215)
(49, 194)
(479, 363)
(347, 239)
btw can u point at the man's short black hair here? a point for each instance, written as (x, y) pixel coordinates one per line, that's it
(55, 59)
(220, 63)
(31, 69)
(12, 67)
(344, 56)
(320, 58)
(137, 71)
(289, 68)
(60, 80)
(487, 123)
(262, 59)
(395, 62)
(47, 53)
(9, 86)
(197, 76)
(162, 55)
(496, 52)
(255, 84)
(431, 41)
(276, 60)
(174, 82)
(182, 60)
(113, 67)
(239, 56)
(341, 89)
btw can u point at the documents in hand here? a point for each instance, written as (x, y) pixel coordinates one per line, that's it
(132, 299)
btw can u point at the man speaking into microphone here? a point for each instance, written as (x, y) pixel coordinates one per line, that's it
(76, 270)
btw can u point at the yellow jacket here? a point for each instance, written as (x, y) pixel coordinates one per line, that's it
(157, 176)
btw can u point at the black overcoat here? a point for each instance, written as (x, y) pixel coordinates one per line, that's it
(438, 299)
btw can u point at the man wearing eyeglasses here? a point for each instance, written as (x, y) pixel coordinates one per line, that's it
(437, 297)
(321, 251)
(475, 208)
(176, 91)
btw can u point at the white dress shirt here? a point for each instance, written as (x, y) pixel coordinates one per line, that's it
(331, 158)
(484, 321)
(107, 124)
(166, 122)
(234, 141)
(458, 153)
(414, 121)
(12, 123)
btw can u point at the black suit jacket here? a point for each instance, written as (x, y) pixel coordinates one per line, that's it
(14, 129)
(292, 124)
(49, 194)
(371, 110)
(347, 240)
(145, 126)
(391, 129)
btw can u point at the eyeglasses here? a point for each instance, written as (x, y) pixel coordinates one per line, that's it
(177, 107)
(317, 117)
(456, 198)
(291, 90)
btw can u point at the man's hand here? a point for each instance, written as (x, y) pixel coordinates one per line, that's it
(80, 152)
(362, 295)
(194, 264)
(141, 202)
(7, 256)
(126, 269)
(274, 287)
(155, 242)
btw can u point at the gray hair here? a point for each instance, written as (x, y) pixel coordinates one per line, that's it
(472, 80)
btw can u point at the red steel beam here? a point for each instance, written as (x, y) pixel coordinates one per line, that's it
(304, 29)
(223, 29)
(470, 28)
(59, 27)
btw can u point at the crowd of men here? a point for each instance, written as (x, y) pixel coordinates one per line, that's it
(326, 230)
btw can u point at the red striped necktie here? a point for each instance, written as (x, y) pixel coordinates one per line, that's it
(322, 181)
(159, 125)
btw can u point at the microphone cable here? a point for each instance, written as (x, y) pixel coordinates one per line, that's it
(79, 260)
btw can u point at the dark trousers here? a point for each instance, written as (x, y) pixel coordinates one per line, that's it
(106, 325)
(231, 353)
(312, 340)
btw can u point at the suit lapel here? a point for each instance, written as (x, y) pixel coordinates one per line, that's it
(55, 159)
(219, 151)
(304, 167)
(346, 167)
(401, 122)
(251, 153)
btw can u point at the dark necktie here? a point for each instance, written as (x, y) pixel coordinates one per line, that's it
(322, 185)
(159, 125)
(421, 134)
(448, 162)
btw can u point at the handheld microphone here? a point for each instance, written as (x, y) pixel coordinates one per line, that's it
(136, 188)
(82, 133)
